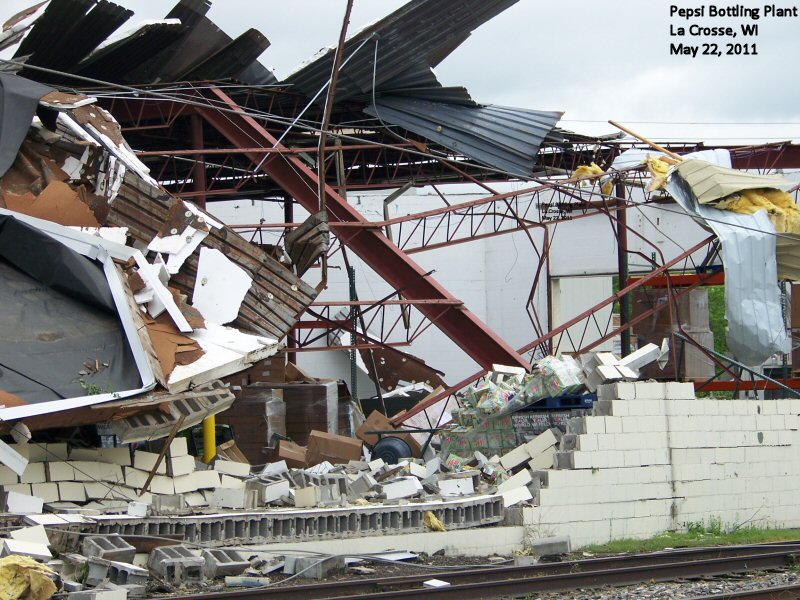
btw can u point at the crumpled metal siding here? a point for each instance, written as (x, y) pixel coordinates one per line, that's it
(422, 31)
(504, 138)
(756, 329)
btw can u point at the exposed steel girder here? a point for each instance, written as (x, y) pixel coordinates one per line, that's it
(462, 326)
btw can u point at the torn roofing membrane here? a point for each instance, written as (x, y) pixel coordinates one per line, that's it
(756, 329)
(19, 101)
(67, 338)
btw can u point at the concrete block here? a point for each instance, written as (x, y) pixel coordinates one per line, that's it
(243, 581)
(22, 504)
(541, 442)
(362, 484)
(127, 574)
(33, 549)
(84, 454)
(33, 473)
(71, 491)
(169, 504)
(195, 499)
(35, 534)
(177, 565)
(60, 471)
(109, 547)
(515, 496)
(456, 487)
(134, 478)
(112, 473)
(550, 546)
(206, 480)
(228, 481)
(230, 467)
(56, 452)
(180, 465)
(48, 492)
(178, 447)
(521, 479)
(185, 484)
(138, 509)
(275, 468)
(402, 487)
(312, 567)
(515, 458)
(233, 497)
(221, 562)
(118, 456)
(18, 488)
(85, 470)
(162, 485)
(33, 452)
(9, 477)
(272, 492)
(306, 497)
(418, 471)
(145, 461)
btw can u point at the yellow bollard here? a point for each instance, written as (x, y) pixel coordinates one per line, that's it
(209, 438)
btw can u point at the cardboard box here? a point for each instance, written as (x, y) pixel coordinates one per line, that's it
(377, 421)
(336, 449)
(293, 454)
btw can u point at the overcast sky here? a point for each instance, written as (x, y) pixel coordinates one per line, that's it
(595, 60)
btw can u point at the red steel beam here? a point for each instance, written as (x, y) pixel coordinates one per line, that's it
(462, 326)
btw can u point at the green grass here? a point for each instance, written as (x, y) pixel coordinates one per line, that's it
(696, 535)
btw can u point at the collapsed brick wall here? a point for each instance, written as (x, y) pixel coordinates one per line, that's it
(653, 458)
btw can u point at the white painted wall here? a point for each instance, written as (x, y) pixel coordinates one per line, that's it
(663, 459)
(493, 276)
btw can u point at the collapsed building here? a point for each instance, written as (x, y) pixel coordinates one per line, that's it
(133, 316)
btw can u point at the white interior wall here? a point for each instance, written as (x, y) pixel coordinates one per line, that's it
(493, 276)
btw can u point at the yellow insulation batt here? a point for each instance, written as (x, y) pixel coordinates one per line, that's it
(584, 171)
(22, 578)
(780, 207)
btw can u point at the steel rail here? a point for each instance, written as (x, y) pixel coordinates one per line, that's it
(547, 577)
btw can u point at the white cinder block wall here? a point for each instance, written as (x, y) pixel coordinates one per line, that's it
(654, 458)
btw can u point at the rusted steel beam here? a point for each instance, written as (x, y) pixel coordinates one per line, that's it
(461, 325)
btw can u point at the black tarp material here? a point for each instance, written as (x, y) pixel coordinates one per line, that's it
(57, 316)
(19, 101)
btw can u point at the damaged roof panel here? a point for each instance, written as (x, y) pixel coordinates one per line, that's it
(415, 33)
(501, 137)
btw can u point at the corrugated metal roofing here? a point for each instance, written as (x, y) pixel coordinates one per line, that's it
(711, 182)
(420, 82)
(422, 31)
(497, 136)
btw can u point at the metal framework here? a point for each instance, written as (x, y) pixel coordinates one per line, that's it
(259, 144)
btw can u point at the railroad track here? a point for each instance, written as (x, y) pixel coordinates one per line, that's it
(784, 592)
(548, 577)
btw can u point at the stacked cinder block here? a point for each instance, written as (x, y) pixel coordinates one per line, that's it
(652, 458)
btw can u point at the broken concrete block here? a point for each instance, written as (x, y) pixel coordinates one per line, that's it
(230, 467)
(641, 357)
(456, 487)
(521, 479)
(35, 534)
(541, 442)
(418, 471)
(125, 574)
(362, 484)
(402, 487)
(33, 549)
(272, 492)
(223, 561)
(108, 547)
(545, 460)
(22, 504)
(515, 496)
(433, 466)
(138, 509)
(248, 582)
(275, 468)
(195, 499)
(515, 458)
